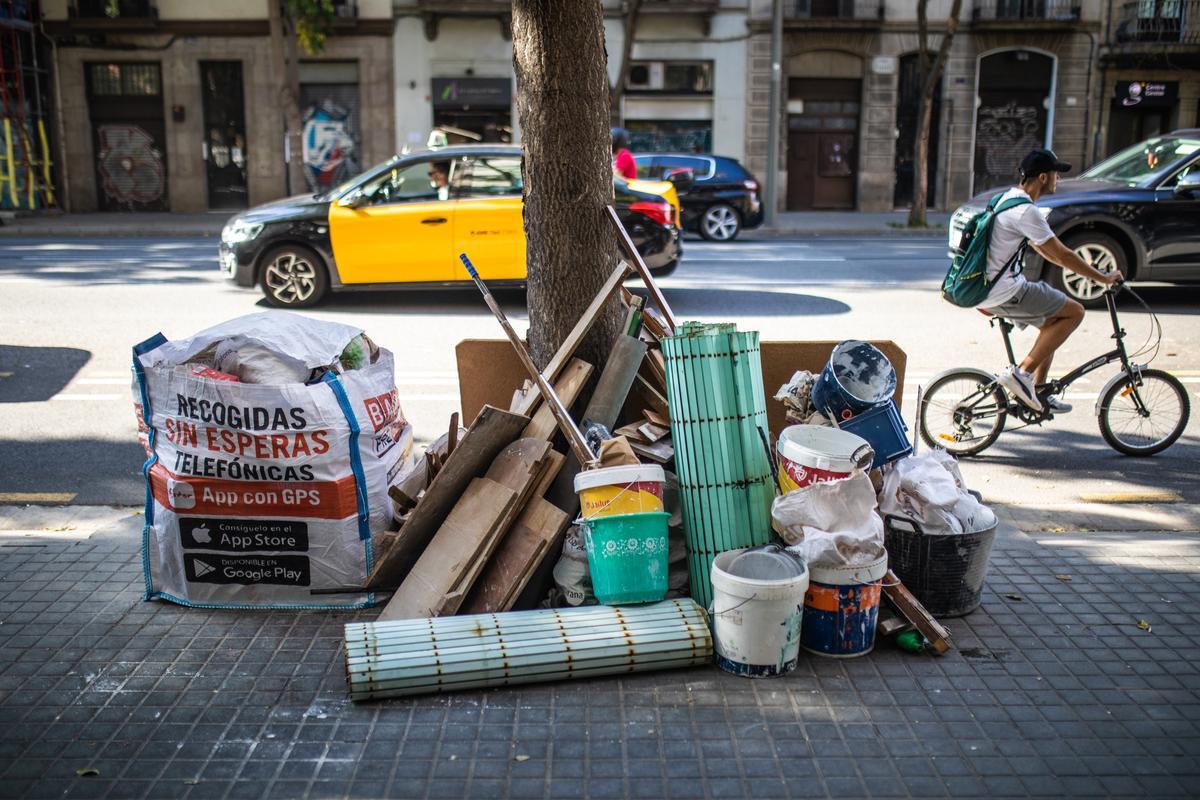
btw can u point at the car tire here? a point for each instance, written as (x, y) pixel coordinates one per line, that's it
(665, 269)
(293, 276)
(1098, 249)
(720, 223)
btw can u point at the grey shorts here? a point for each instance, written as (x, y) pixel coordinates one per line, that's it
(1035, 303)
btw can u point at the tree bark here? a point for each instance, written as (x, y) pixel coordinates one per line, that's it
(563, 106)
(286, 67)
(618, 89)
(930, 74)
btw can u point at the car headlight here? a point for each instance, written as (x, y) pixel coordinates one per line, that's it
(236, 232)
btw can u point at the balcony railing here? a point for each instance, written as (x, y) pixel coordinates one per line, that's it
(1026, 11)
(837, 9)
(1159, 22)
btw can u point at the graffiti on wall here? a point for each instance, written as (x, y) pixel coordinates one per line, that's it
(330, 151)
(1004, 135)
(130, 166)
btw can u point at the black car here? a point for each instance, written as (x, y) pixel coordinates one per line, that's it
(403, 223)
(723, 197)
(1137, 212)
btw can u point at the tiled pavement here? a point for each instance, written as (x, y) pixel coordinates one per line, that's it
(1058, 693)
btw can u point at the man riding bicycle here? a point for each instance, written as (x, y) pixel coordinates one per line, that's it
(1034, 303)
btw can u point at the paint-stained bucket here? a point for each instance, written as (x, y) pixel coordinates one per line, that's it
(811, 454)
(857, 378)
(627, 557)
(841, 608)
(756, 621)
(629, 489)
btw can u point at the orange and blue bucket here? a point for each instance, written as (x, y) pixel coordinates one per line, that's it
(841, 609)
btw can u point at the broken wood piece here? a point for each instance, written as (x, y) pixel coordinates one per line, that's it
(631, 432)
(517, 557)
(657, 419)
(911, 609)
(660, 452)
(571, 343)
(654, 324)
(653, 396)
(643, 271)
(490, 433)
(567, 389)
(483, 507)
(452, 435)
(652, 433)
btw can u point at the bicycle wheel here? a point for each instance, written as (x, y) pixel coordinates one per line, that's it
(1129, 431)
(962, 411)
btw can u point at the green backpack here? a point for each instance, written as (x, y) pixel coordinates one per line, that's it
(966, 284)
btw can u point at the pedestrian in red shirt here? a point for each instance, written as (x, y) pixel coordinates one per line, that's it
(623, 163)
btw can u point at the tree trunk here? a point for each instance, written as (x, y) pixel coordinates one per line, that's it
(929, 82)
(562, 102)
(618, 89)
(286, 68)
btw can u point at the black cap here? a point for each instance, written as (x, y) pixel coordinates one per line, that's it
(1042, 160)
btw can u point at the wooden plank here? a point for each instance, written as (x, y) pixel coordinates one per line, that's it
(643, 271)
(652, 432)
(490, 433)
(516, 558)
(657, 419)
(660, 452)
(484, 505)
(567, 387)
(652, 396)
(912, 610)
(632, 432)
(571, 343)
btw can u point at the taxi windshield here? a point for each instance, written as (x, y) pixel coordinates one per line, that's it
(1142, 161)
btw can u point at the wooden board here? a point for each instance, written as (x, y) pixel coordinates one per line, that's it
(518, 556)
(484, 505)
(567, 387)
(490, 433)
(912, 610)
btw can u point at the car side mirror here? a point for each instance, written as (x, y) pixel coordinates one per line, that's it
(1188, 185)
(683, 179)
(355, 199)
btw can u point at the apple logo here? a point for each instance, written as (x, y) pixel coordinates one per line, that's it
(201, 535)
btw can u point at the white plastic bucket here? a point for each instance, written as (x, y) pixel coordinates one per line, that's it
(811, 454)
(631, 489)
(756, 623)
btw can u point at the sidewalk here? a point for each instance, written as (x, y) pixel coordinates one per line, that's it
(1052, 689)
(790, 224)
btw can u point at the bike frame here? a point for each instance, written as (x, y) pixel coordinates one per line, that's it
(1118, 353)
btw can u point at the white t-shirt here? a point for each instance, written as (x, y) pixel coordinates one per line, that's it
(1008, 231)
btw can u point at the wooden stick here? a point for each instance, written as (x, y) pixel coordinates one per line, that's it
(561, 415)
(571, 343)
(912, 610)
(643, 271)
(452, 435)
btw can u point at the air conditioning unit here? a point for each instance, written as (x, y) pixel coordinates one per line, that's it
(645, 76)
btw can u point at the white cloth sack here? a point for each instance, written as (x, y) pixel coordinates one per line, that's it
(832, 523)
(257, 494)
(929, 490)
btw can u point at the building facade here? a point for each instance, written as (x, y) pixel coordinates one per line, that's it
(175, 106)
(685, 90)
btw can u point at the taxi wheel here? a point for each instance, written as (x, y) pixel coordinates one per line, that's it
(294, 277)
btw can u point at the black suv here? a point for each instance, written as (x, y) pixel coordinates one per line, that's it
(1137, 212)
(722, 198)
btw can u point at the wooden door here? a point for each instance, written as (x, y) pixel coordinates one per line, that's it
(802, 169)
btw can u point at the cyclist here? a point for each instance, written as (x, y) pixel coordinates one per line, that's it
(1034, 303)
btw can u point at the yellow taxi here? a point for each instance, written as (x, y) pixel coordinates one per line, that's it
(403, 223)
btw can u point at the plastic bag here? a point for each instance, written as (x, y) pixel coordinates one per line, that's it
(571, 573)
(929, 490)
(832, 523)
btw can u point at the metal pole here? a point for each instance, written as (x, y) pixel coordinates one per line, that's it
(770, 201)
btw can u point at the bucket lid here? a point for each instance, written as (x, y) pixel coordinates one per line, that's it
(824, 448)
(766, 565)
(619, 476)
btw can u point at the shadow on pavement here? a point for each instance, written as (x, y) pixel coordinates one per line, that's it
(37, 373)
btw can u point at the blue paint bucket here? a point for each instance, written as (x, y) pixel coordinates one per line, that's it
(857, 377)
(841, 608)
(883, 428)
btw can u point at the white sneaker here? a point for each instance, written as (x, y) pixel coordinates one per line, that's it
(1020, 384)
(1058, 406)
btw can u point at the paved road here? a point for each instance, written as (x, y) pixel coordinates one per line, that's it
(72, 310)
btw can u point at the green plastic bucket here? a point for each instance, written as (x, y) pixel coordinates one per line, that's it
(627, 556)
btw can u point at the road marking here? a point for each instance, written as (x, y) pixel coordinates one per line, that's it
(36, 497)
(6, 374)
(89, 397)
(1149, 496)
